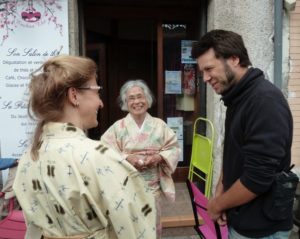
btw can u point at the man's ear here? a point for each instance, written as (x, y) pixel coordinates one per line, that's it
(72, 96)
(235, 61)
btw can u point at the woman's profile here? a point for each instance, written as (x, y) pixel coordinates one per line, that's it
(68, 185)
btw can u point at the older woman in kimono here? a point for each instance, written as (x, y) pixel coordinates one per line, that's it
(145, 142)
(68, 185)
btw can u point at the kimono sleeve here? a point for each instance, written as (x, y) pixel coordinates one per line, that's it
(170, 150)
(130, 205)
(111, 139)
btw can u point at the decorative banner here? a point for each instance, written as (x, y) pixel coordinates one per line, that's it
(30, 33)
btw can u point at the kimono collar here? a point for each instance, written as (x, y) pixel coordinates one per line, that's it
(61, 130)
(130, 117)
(132, 121)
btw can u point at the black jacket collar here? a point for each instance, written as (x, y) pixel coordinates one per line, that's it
(237, 91)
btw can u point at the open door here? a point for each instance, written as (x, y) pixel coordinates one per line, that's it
(143, 40)
(98, 53)
(128, 53)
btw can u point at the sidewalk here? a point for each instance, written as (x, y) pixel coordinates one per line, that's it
(294, 235)
(182, 210)
(182, 207)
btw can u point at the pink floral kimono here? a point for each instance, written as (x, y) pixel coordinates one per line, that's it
(155, 136)
(127, 138)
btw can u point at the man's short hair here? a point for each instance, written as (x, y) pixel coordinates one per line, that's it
(225, 45)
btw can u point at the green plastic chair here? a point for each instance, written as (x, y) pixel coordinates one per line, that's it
(201, 165)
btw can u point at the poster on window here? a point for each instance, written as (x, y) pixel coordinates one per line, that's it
(176, 124)
(173, 82)
(186, 52)
(189, 79)
(30, 33)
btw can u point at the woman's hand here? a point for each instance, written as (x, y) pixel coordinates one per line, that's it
(136, 161)
(152, 160)
(142, 162)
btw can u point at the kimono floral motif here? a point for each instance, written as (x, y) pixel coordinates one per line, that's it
(141, 137)
(79, 186)
(154, 136)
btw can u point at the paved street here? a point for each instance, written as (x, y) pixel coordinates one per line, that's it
(294, 235)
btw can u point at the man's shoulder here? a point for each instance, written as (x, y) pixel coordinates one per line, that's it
(265, 88)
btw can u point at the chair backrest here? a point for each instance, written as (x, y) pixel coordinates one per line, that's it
(201, 164)
(13, 226)
(209, 229)
(12, 222)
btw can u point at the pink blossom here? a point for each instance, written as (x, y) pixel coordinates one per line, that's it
(9, 15)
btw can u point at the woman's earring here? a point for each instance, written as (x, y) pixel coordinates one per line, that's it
(76, 104)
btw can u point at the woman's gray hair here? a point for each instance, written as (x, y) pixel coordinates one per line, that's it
(134, 83)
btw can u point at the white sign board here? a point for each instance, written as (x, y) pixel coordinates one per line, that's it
(30, 32)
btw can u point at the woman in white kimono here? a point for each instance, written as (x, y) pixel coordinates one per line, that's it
(68, 185)
(146, 142)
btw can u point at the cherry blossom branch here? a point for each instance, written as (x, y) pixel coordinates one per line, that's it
(8, 15)
(52, 17)
(8, 12)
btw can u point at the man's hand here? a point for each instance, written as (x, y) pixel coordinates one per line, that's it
(235, 196)
(213, 209)
(222, 220)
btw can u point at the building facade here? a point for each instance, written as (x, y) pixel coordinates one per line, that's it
(293, 77)
(151, 40)
(132, 30)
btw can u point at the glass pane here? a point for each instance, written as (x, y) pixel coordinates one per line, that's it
(180, 82)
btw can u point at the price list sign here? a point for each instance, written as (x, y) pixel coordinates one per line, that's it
(30, 33)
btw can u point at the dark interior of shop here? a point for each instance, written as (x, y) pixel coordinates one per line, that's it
(142, 40)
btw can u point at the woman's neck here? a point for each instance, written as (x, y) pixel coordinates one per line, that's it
(139, 119)
(70, 115)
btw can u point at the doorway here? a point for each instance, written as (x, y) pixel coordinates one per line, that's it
(124, 50)
(142, 40)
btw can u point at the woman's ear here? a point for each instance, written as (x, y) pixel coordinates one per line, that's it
(72, 96)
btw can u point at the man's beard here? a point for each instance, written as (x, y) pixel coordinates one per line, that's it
(230, 75)
(230, 79)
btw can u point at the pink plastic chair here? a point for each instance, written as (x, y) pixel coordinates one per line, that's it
(210, 229)
(13, 225)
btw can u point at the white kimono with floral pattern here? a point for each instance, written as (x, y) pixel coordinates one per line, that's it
(78, 186)
(127, 138)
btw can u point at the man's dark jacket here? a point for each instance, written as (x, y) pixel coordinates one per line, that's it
(258, 138)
